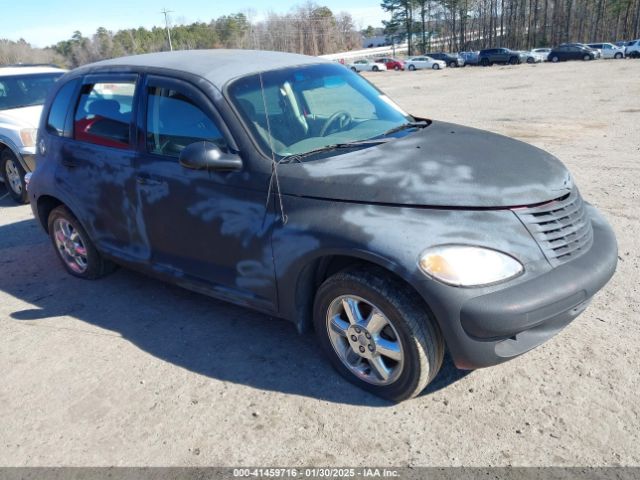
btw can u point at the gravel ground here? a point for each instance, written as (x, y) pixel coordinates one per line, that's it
(131, 371)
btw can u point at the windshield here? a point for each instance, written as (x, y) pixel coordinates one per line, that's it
(308, 108)
(25, 90)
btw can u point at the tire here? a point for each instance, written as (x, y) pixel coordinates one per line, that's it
(530, 60)
(354, 69)
(618, 56)
(513, 61)
(407, 327)
(586, 58)
(555, 59)
(94, 265)
(374, 69)
(396, 68)
(13, 176)
(453, 64)
(435, 66)
(485, 62)
(412, 68)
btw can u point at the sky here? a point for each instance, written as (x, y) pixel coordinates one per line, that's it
(46, 22)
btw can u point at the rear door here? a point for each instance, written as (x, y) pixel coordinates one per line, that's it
(96, 168)
(209, 230)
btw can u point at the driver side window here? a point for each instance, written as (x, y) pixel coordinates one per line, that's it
(174, 121)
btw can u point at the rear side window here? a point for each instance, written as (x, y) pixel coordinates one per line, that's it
(103, 116)
(174, 121)
(59, 108)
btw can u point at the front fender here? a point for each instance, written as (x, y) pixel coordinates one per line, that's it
(392, 237)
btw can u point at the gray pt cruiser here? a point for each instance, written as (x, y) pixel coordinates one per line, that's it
(293, 186)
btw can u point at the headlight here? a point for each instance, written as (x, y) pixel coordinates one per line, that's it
(28, 136)
(468, 266)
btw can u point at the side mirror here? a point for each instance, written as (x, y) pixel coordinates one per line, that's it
(208, 156)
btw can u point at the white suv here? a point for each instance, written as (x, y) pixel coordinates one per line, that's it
(633, 49)
(23, 91)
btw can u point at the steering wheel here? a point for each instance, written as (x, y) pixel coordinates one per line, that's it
(341, 118)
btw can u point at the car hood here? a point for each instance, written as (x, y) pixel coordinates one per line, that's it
(22, 117)
(442, 165)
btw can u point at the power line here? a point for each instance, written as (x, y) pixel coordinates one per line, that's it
(166, 24)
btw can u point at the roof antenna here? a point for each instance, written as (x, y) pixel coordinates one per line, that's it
(274, 181)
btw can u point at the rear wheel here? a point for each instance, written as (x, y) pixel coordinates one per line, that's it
(485, 62)
(555, 59)
(377, 334)
(74, 247)
(13, 176)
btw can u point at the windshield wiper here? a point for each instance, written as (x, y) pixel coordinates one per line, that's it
(296, 157)
(406, 126)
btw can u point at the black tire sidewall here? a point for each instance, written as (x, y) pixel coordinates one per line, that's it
(409, 377)
(95, 263)
(4, 158)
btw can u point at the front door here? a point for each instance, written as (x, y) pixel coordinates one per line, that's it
(210, 230)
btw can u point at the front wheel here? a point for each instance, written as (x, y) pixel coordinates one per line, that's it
(586, 58)
(74, 247)
(374, 68)
(13, 176)
(412, 68)
(436, 66)
(354, 69)
(453, 64)
(530, 60)
(618, 56)
(377, 334)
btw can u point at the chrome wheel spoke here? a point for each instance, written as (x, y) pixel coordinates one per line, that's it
(376, 322)
(80, 250)
(350, 306)
(389, 349)
(352, 357)
(339, 326)
(380, 369)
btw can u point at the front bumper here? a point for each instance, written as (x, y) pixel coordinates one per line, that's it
(495, 327)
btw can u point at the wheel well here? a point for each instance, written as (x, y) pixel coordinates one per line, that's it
(46, 203)
(314, 274)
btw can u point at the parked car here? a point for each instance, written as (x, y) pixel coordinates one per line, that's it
(622, 44)
(632, 50)
(452, 60)
(596, 52)
(501, 55)
(572, 52)
(470, 58)
(608, 50)
(422, 62)
(534, 57)
(23, 90)
(392, 236)
(543, 52)
(391, 63)
(367, 66)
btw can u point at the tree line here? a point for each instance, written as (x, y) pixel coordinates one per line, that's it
(457, 25)
(307, 29)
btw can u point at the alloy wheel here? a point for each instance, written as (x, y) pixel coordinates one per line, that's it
(13, 176)
(365, 340)
(70, 245)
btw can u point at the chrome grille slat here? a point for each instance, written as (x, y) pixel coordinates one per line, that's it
(561, 227)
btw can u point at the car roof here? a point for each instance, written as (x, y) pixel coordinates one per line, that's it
(219, 66)
(13, 70)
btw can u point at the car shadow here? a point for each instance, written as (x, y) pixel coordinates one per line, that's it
(192, 331)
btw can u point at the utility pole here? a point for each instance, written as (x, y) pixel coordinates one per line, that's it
(166, 24)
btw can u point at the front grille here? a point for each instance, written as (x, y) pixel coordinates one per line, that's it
(561, 227)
